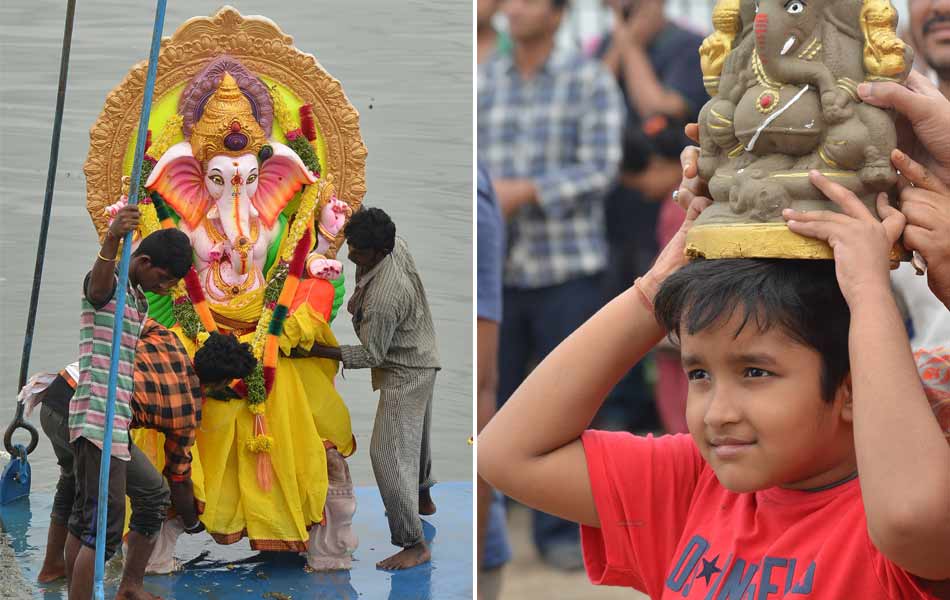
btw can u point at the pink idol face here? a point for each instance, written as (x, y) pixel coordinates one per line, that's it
(227, 174)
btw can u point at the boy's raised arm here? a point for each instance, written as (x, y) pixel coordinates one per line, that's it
(903, 459)
(531, 449)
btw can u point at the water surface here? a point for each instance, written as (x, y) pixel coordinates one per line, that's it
(406, 66)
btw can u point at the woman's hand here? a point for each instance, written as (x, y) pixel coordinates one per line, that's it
(860, 242)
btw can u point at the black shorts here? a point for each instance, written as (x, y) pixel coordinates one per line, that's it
(83, 521)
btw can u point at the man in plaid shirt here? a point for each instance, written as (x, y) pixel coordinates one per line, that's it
(549, 129)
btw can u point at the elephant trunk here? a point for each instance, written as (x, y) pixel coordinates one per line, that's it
(234, 209)
(774, 44)
(778, 47)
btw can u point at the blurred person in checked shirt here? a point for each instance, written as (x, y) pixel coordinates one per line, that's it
(549, 131)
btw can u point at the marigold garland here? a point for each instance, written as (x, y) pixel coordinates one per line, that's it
(169, 132)
(303, 219)
(284, 117)
(260, 444)
(148, 218)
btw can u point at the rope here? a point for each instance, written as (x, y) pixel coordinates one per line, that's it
(18, 422)
(99, 592)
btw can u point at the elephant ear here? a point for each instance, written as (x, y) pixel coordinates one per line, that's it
(178, 178)
(281, 176)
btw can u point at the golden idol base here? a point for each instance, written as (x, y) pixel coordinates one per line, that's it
(762, 240)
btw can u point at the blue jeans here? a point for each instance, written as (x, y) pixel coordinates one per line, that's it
(534, 322)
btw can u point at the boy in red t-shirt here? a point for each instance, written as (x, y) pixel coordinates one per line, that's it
(797, 384)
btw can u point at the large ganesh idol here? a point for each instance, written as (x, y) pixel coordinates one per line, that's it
(255, 153)
(783, 77)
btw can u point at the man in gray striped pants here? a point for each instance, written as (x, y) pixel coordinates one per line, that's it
(394, 325)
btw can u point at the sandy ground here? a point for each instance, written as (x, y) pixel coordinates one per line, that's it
(527, 578)
(12, 584)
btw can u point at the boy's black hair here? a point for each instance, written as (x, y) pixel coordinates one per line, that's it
(800, 297)
(560, 4)
(223, 358)
(168, 249)
(371, 229)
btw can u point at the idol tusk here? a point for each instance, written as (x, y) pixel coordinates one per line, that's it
(788, 44)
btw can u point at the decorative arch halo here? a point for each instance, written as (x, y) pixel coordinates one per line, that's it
(260, 45)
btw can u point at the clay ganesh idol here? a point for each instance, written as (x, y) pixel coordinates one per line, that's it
(783, 77)
(255, 153)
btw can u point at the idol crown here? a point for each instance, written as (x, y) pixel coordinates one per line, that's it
(227, 125)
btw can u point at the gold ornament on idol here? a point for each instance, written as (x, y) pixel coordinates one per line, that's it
(227, 125)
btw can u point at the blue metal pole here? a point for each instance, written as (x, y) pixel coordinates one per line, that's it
(103, 502)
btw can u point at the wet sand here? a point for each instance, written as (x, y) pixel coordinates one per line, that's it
(12, 584)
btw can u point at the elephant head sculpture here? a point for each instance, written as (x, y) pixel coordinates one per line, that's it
(790, 34)
(229, 181)
(783, 75)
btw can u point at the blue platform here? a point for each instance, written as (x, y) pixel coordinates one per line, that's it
(227, 572)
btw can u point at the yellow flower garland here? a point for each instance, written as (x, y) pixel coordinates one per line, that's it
(304, 218)
(148, 219)
(169, 132)
(284, 117)
(260, 444)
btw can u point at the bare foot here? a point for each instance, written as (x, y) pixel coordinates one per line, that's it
(426, 505)
(52, 572)
(134, 593)
(406, 558)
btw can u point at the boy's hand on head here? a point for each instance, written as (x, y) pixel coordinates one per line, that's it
(925, 202)
(126, 220)
(673, 255)
(860, 242)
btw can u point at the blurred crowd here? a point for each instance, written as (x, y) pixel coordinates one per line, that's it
(579, 154)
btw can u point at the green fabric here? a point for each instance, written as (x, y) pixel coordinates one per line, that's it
(160, 309)
(339, 285)
(275, 245)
